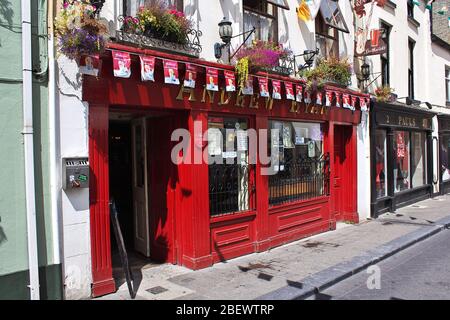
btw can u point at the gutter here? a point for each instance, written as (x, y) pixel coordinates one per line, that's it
(28, 143)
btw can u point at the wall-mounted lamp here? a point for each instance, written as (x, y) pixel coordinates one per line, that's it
(308, 56)
(409, 101)
(365, 71)
(226, 34)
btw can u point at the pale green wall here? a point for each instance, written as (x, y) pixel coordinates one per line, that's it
(13, 229)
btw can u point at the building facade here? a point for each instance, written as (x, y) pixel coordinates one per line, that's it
(29, 245)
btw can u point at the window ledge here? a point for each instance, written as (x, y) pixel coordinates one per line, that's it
(414, 22)
(391, 5)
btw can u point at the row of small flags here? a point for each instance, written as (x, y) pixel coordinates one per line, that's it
(122, 69)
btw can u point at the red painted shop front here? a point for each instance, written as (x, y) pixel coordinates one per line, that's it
(182, 226)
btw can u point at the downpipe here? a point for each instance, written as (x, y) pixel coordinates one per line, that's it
(28, 135)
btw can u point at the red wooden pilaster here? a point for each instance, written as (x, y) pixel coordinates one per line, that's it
(329, 147)
(262, 192)
(354, 175)
(102, 280)
(196, 219)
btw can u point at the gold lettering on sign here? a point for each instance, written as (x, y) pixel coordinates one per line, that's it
(224, 101)
(184, 90)
(211, 95)
(269, 103)
(294, 107)
(254, 101)
(240, 99)
(406, 121)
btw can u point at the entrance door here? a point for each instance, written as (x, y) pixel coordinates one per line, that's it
(140, 187)
(342, 181)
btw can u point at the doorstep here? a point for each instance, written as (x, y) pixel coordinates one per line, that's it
(298, 268)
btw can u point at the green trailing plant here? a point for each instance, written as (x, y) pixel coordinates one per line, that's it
(333, 70)
(383, 93)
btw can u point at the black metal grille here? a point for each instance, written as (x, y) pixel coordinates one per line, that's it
(229, 188)
(302, 180)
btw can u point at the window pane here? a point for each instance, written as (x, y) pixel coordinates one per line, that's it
(132, 6)
(418, 159)
(265, 27)
(301, 169)
(228, 165)
(332, 15)
(381, 163)
(401, 161)
(445, 158)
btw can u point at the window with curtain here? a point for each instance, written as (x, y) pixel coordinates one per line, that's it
(130, 7)
(264, 17)
(447, 84)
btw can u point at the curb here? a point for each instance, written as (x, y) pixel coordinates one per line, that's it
(341, 271)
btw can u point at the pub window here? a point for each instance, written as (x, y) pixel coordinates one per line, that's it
(380, 164)
(418, 159)
(328, 23)
(263, 15)
(229, 168)
(385, 66)
(402, 172)
(445, 157)
(410, 8)
(131, 7)
(447, 84)
(411, 45)
(299, 164)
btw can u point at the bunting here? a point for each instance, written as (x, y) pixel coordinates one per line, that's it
(121, 64)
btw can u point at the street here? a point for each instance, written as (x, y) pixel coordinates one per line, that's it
(419, 272)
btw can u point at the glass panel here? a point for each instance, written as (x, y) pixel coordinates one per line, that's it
(228, 165)
(447, 83)
(280, 3)
(418, 159)
(328, 48)
(445, 158)
(401, 161)
(302, 169)
(332, 15)
(132, 6)
(265, 27)
(380, 163)
(139, 156)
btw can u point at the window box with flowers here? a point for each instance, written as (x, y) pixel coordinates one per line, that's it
(259, 56)
(330, 71)
(159, 26)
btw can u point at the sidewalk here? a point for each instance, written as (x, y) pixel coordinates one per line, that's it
(295, 270)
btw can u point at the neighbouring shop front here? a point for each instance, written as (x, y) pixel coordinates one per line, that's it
(444, 153)
(198, 213)
(401, 155)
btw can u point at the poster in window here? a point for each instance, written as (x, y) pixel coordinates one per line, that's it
(242, 144)
(263, 84)
(230, 81)
(289, 91)
(276, 89)
(311, 149)
(287, 136)
(212, 79)
(214, 142)
(90, 65)
(190, 76)
(300, 134)
(121, 64)
(248, 88)
(400, 145)
(147, 68)
(171, 72)
(298, 93)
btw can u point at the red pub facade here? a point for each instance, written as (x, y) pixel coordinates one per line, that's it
(198, 214)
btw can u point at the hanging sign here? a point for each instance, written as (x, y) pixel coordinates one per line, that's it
(363, 103)
(90, 65)
(248, 89)
(289, 91)
(338, 99)
(359, 6)
(353, 101)
(307, 96)
(319, 98)
(263, 84)
(212, 79)
(276, 89)
(346, 101)
(230, 81)
(190, 76)
(171, 72)
(328, 98)
(376, 45)
(147, 68)
(121, 64)
(298, 93)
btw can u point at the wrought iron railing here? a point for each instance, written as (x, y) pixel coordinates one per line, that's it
(303, 180)
(285, 66)
(229, 189)
(189, 46)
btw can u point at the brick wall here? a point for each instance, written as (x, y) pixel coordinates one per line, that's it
(441, 27)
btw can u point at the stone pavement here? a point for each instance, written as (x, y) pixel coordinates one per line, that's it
(260, 274)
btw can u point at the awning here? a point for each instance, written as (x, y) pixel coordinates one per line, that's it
(332, 15)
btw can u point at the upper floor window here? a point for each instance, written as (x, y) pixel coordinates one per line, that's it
(329, 22)
(263, 15)
(131, 7)
(447, 83)
(385, 59)
(410, 8)
(411, 45)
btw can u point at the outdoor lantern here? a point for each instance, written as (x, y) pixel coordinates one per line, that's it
(308, 55)
(365, 71)
(225, 30)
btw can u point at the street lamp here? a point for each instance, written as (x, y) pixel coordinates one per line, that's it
(308, 56)
(225, 30)
(365, 71)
